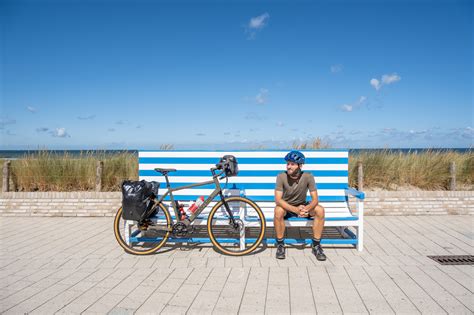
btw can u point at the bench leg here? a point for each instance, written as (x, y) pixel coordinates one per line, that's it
(360, 228)
(360, 238)
(128, 231)
(242, 238)
(242, 215)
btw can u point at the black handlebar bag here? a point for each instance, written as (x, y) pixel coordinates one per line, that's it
(135, 202)
(229, 164)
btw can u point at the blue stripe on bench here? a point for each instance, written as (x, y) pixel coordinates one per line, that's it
(257, 186)
(257, 198)
(347, 241)
(207, 173)
(212, 161)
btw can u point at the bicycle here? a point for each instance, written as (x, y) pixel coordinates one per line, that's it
(235, 224)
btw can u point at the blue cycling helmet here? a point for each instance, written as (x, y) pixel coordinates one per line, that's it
(295, 156)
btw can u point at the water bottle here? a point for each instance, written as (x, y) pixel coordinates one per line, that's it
(182, 213)
(196, 204)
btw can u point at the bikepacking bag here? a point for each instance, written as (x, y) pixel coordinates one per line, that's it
(135, 202)
(229, 164)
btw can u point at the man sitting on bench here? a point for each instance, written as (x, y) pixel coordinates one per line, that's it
(290, 198)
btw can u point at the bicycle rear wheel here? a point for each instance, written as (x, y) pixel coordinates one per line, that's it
(146, 239)
(243, 237)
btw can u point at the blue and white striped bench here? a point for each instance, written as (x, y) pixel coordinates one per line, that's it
(256, 181)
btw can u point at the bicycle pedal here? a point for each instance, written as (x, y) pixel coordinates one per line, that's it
(143, 227)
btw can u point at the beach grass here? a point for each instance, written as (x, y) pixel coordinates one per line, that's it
(427, 170)
(46, 171)
(387, 170)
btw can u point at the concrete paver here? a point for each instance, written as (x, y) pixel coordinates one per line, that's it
(74, 265)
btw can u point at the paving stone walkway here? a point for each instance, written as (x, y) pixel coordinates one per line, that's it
(74, 265)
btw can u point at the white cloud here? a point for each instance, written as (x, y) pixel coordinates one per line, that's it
(386, 80)
(31, 109)
(336, 68)
(60, 133)
(256, 24)
(261, 97)
(42, 129)
(254, 116)
(468, 133)
(347, 108)
(280, 124)
(351, 107)
(86, 117)
(6, 121)
(375, 83)
(390, 78)
(389, 130)
(259, 22)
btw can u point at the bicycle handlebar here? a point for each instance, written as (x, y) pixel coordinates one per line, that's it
(213, 169)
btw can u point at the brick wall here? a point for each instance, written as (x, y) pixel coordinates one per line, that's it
(83, 203)
(419, 202)
(106, 203)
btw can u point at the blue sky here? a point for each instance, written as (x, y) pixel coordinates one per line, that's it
(236, 74)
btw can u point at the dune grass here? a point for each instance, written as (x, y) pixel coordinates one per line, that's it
(388, 170)
(46, 171)
(427, 170)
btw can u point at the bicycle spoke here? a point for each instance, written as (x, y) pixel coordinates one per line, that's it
(144, 239)
(241, 236)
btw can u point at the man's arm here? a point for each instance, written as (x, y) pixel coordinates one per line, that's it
(285, 205)
(314, 201)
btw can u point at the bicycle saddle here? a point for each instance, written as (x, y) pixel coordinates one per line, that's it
(165, 171)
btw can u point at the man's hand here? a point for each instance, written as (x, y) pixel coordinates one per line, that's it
(303, 212)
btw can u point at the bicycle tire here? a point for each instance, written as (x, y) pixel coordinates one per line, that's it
(150, 243)
(228, 239)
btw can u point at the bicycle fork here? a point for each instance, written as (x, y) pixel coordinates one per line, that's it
(232, 221)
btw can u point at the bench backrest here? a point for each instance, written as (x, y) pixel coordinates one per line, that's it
(257, 172)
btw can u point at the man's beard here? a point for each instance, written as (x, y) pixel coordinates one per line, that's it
(295, 173)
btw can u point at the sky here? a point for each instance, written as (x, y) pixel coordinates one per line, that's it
(235, 74)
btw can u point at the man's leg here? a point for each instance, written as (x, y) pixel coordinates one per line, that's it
(279, 222)
(318, 214)
(279, 225)
(318, 225)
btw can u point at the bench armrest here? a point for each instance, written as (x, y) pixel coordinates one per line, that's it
(354, 192)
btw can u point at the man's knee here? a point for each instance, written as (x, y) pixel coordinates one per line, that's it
(279, 213)
(318, 212)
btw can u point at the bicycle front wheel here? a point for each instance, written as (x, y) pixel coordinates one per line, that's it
(242, 237)
(145, 239)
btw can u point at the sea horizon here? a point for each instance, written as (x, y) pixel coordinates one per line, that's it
(15, 154)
